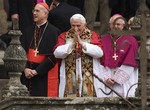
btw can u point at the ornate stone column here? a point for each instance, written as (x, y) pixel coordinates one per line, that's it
(14, 62)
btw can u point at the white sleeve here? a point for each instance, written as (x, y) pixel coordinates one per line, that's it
(92, 50)
(62, 51)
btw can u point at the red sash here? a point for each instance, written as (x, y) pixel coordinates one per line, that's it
(35, 58)
(52, 73)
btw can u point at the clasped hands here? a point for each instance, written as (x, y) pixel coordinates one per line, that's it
(77, 39)
(29, 73)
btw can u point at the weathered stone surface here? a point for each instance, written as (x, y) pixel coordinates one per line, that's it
(14, 62)
(87, 103)
(1, 57)
(3, 19)
(3, 73)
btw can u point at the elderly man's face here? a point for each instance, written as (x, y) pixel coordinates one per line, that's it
(119, 24)
(77, 25)
(39, 14)
(112, 19)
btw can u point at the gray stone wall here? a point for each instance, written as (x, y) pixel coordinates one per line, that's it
(41, 103)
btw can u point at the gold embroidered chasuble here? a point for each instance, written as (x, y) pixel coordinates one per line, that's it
(73, 79)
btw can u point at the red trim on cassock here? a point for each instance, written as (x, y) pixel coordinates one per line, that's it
(53, 82)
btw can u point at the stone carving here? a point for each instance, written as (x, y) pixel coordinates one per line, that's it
(14, 62)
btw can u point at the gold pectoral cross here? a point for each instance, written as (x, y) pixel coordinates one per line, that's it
(36, 52)
(115, 56)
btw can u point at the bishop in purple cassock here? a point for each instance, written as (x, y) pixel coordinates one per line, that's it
(119, 62)
(124, 52)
